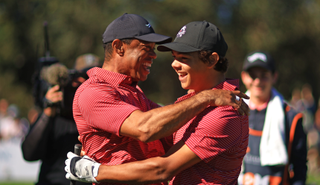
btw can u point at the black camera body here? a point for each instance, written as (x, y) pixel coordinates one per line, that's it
(50, 73)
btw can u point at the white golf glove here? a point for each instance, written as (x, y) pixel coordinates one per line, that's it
(82, 169)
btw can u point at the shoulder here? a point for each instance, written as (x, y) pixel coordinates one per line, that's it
(222, 117)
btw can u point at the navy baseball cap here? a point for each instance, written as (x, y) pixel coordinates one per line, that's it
(132, 26)
(197, 36)
(259, 59)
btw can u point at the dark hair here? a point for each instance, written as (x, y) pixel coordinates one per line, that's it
(108, 48)
(206, 57)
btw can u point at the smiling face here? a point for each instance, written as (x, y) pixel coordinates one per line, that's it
(193, 73)
(137, 59)
(259, 82)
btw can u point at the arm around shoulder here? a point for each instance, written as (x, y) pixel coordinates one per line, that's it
(163, 121)
(157, 169)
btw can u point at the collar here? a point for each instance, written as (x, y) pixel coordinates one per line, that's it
(228, 84)
(113, 78)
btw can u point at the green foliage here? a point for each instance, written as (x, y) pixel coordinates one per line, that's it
(288, 29)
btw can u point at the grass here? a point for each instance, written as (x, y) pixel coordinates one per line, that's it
(313, 179)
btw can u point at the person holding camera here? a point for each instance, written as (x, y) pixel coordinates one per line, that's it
(54, 133)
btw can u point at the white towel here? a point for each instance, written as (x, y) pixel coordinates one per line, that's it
(272, 145)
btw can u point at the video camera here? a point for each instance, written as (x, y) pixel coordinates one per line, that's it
(50, 72)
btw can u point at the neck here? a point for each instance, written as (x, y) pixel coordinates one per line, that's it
(211, 82)
(258, 102)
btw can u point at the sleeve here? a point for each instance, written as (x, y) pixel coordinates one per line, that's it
(35, 142)
(105, 109)
(213, 132)
(299, 155)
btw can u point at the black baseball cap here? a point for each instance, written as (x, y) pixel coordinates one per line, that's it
(197, 36)
(259, 59)
(132, 26)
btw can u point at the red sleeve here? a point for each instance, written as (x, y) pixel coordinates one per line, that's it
(214, 132)
(103, 109)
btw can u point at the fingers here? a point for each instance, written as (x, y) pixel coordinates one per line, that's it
(82, 153)
(54, 95)
(67, 167)
(69, 176)
(71, 155)
(240, 94)
(54, 88)
(244, 108)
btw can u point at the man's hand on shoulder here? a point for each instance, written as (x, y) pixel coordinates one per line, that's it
(220, 97)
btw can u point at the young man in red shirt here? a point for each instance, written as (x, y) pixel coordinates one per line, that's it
(209, 149)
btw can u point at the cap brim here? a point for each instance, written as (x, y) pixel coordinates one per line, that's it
(154, 37)
(179, 47)
(257, 64)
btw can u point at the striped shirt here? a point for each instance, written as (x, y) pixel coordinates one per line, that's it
(100, 106)
(219, 136)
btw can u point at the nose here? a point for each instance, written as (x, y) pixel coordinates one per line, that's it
(153, 54)
(256, 80)
(175, 64)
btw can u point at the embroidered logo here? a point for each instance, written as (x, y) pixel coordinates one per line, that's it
(148, 25)
(257, 56)
(182, 31)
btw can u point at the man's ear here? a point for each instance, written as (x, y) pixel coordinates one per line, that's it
(214, 58)
(118, 46)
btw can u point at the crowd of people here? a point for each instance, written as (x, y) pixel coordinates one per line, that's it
(303, 101)
(12, 125)
(214, 134)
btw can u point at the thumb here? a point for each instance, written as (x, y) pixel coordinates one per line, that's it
(72, 155)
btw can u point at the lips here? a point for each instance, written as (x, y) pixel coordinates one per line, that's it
(182, 76)
(146, 66)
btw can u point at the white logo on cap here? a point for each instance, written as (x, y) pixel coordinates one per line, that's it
(257, 56)
(148, 25)
(182, 31)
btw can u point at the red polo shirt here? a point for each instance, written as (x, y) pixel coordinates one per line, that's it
(100, 106)
(219, 136)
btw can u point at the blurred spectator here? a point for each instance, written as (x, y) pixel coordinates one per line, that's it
(32, 115)
(11, 125)
(314, 144)
(296, 101)
(54, 132)
(303, 101)
(307, 99)
(277, 150)
(3, 107)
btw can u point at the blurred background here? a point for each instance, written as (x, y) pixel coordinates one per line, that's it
(288, 29)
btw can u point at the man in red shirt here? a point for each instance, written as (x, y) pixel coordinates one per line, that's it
(210, 147)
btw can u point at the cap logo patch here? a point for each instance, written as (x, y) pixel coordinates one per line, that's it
(257, 56)
(182, 31)
(148, 25)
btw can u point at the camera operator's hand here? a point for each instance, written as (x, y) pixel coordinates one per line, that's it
(53, 96)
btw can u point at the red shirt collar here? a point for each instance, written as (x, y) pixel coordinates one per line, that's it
(228, 84)
(113, 78)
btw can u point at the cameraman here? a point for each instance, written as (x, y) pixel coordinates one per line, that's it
(54, 133)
